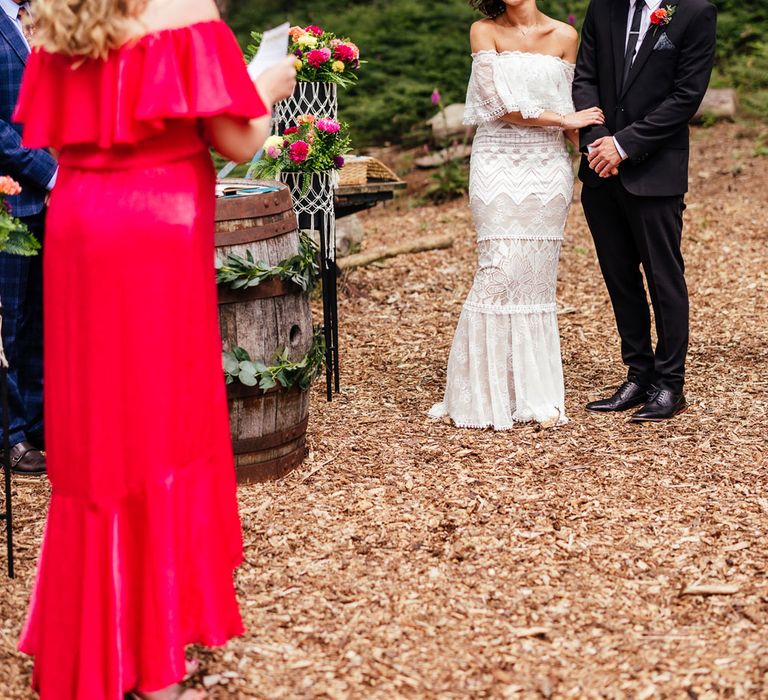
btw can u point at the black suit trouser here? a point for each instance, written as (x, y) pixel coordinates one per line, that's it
(631, 233)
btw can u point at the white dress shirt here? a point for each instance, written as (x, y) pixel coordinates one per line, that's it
(650, 6)
(12, 10)
(645, 21)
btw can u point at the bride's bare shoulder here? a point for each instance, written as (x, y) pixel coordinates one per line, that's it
(565, 37)
(168, 14)
(482, 35)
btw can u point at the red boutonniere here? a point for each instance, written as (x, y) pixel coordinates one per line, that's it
(662, 17)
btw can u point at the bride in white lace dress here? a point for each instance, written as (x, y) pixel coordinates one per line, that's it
(505, 365)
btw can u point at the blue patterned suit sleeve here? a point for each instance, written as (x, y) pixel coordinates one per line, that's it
(24, 164)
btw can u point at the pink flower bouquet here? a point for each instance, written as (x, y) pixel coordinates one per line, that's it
(320, 55)
(313, 145)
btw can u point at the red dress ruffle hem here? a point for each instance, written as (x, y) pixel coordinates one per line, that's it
(143, 534)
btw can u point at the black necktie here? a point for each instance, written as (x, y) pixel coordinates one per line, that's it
(634, 34)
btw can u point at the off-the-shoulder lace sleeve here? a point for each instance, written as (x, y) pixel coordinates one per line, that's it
(514, 81)
(483, 103)
(187, 73)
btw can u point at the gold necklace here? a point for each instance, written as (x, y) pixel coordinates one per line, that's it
(527, 31)
(520, 29)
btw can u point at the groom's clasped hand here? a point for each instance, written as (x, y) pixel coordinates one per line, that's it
(604, 158)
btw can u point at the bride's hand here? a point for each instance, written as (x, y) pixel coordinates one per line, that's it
(277, 83)
(586, 117)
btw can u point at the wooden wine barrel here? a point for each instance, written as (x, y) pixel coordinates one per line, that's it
(268, 429)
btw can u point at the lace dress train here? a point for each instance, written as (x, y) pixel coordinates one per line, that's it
(505, 365)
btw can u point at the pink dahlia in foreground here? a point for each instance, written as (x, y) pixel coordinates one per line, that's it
(329, 126)
(317, 57)
(299, 151)
(344, 53)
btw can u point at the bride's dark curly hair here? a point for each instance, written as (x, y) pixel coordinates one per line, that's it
(490, 8)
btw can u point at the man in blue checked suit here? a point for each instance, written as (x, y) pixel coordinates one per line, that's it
(21, 278)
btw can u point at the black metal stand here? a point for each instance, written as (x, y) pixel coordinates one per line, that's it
(7, 515)
(328, 278)
(315, 206)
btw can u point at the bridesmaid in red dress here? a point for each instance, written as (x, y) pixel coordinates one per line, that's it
(143, 534)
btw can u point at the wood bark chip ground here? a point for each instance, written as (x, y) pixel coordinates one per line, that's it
(408, 559)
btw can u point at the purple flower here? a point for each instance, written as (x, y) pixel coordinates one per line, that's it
(298, 53)
(436, 97)
(338, 161)
(572, 19)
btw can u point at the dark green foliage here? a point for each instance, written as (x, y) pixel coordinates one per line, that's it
(413, 46)
(742, 59)
(449, 181)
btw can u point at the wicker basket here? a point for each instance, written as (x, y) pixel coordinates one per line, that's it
(358, 170)
(378, 171)
(355, 171)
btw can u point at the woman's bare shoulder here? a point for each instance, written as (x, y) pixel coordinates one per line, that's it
(563, 36)
(482, 35)
(164, 14)
(564, 32)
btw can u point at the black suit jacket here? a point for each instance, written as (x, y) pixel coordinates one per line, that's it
(649, 116)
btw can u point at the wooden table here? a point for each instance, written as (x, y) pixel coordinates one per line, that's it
(351, 199)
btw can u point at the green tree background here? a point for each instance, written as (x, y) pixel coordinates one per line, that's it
(414, 46)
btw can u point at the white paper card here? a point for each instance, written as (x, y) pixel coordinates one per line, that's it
(273, 48)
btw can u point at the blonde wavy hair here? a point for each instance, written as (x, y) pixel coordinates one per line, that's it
(85, 28)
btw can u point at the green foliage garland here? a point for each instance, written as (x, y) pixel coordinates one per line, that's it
(243, 272)
(238, 366)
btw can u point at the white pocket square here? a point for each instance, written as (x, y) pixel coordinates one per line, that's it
(664, 43)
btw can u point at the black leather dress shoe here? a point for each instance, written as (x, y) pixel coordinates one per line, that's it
(663, 405)
(628, 395)
(27, 460)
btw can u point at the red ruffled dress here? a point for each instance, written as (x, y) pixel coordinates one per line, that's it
(143, 534)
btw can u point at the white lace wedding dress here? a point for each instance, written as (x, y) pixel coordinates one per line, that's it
(505, 364)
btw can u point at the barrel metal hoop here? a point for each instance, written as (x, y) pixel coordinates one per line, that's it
(271, 441)
(270, 229)
(250, 207)
(266, 290)
(273, 469)
(237, 390)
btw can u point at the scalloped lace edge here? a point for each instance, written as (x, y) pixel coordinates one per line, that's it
(438, 412)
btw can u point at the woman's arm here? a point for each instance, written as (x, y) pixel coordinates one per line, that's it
(566, 122)
(240, 140)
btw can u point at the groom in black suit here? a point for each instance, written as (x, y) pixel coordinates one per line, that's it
(647, 64)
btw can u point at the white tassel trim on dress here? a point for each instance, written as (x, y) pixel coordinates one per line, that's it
(439, 412)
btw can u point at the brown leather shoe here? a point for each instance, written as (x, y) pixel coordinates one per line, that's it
(27, 460)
